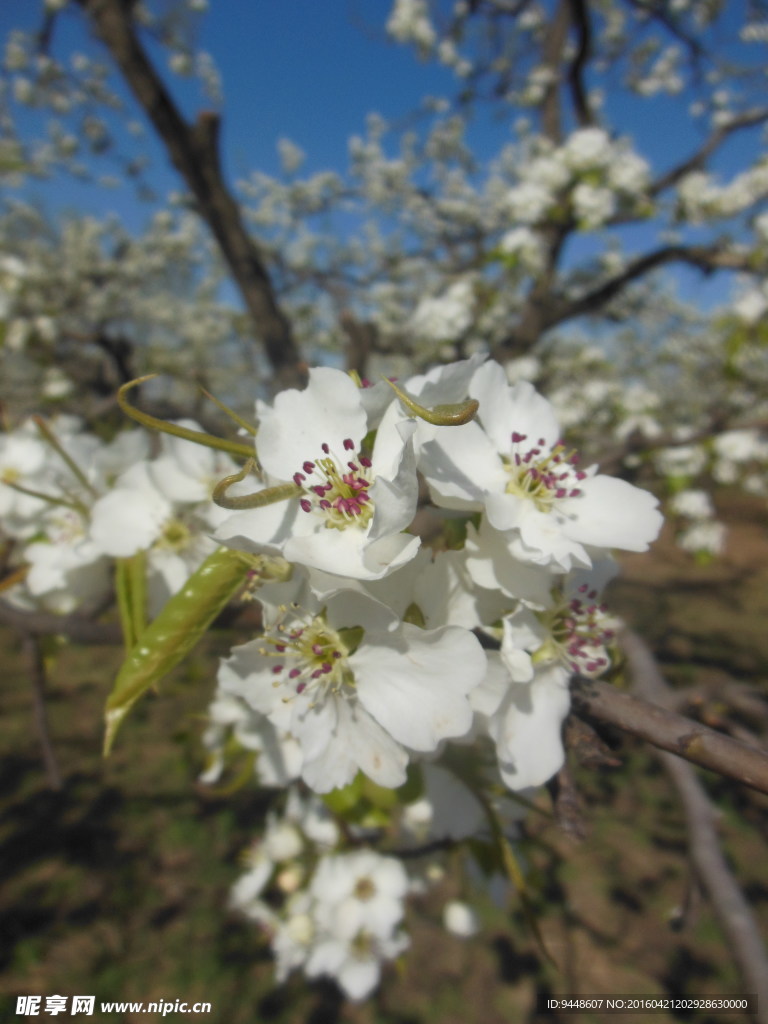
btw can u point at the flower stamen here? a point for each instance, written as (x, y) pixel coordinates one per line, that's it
(545, 475)
(337, 488)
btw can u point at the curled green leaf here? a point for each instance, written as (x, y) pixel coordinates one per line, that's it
(453, 414)
(267, 496)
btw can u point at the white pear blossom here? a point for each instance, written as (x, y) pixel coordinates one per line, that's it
(693, 504)
(460, 919)
(525, 696)
(704, 537)
(524, 720)
(588, 149)
(526, 246)
(278, 760)
(357, 688)
(349, 518)
(444, 317)
(163, 506)
(358, 906)
(593, 205)
(513, 465)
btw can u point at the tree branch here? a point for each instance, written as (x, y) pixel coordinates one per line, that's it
(552, 55)
(715, 140)
(727, 899)
(580, 18)
(36, 667)
(669, 731)
(705, 258)
(193, 150)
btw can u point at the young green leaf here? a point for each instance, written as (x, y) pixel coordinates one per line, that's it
(175, 631)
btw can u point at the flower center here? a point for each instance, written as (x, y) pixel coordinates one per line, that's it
(65, 526)
(541, 474)
(580, 630)
(364, 889)
(312, 655)
(339, 494)
(176, 536)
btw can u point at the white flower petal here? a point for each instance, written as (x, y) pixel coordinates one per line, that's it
(328, 410)
(355, 742)
(612, 513)
(418, 692)
(126, 521)
(528, 726)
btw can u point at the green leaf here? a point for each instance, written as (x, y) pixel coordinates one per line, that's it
(341, 801)
(175, 631)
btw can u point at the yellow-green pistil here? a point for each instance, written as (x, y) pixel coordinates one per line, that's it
(543, 474)
(175, 536)
(313, 655)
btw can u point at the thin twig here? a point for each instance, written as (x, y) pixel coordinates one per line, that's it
(36, 664)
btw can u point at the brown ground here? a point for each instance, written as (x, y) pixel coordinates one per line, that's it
(117, 886)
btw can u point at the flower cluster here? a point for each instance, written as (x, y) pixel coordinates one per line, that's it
(368, 660)
(380, 657)
(71, 503)
(337, 914)
(380, 660)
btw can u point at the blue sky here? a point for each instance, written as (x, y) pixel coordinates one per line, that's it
(310, 70)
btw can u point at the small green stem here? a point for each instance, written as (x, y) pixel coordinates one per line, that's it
(196, 436)
(56, 444)
(50, 498)
(249, 428)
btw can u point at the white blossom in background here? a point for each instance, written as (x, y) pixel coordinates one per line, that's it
(682, 460)
(704, 537)
(529, 202)
(409, 22)
(525, 246)
(444, 317)
(460, 919)
(587, 149)
(692, 504)
(593, 205)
